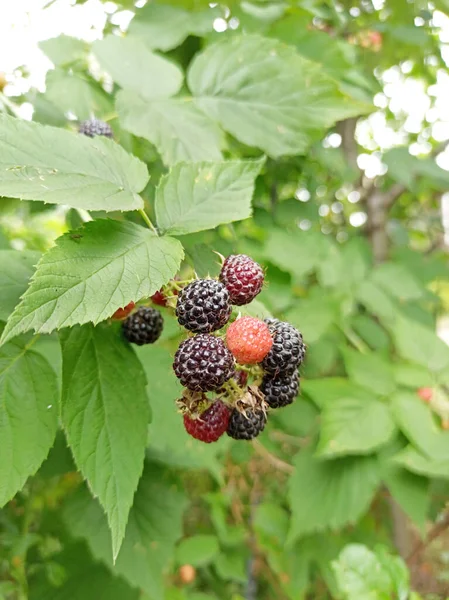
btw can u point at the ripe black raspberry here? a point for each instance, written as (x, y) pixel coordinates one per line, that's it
(246, 426)
(144, 326)
(203, 306)
(280, 391)
(242, 277)
(288, 349)
(203, 363)
(95, 127)
(210, 425)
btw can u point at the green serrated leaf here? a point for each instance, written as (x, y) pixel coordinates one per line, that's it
(38, 162)
(417, 422)
(371, 371)
(16, 269)
(105, 413)
(178, 129)
(420, 344)
(135, 68)
(419, 463)
(92, 272)
(29, 409)
(164, 27)
(232, 82)
(154, 526)
(63, 50)
(72, 92)
(197, 196)
(354, 426)
(330, 494)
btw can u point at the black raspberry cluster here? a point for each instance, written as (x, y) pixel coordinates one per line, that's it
(247, 370)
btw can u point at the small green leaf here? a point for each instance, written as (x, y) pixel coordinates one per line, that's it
(330, 389)
(105, 413)
(28, 414)
(130, 64)
(371, 371)
(397, 280)
(197, 550)
(240, 95)
(410, 491)
(178, 129)
(197, 196)
(154, 526)
(92, 272)
(38, 162)
(16, 269)
(63, 50)
(378, 302)
(354, 426)
(164, 27)
(313, 316)
(418, 423)
(330, 494)
(419, 463)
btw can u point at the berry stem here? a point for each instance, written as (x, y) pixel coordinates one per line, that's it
(147, 220)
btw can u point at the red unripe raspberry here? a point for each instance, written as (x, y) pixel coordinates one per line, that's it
(243, 278)
(122, 313)
(159, 298)
(211, 425)
(249, 339)
(425, 393)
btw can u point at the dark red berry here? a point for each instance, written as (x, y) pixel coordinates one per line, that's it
(210, 425)
(246, 426)
(122, 313)
(144, 326)
(159, 298)
(280, 391)
(94, 127)
(203, 363)
(203, 306)
(288, 349)
(249, 340)
(242, 277)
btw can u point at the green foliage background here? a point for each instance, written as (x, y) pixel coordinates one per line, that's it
(222, 138)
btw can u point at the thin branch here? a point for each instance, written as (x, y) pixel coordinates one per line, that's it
(435, 532)
(274, 460)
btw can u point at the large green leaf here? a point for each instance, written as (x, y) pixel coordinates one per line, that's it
(154, 526)
(331, 493)
(92, 272)
(63, 50)
(178, 129)
(265, 94)
(419, 463)
(105, 413)
(164, 27)
(16, 269)
(135, 68)
(197, 196)
(351, 425)
(417, 422)
(29, 409)
(38, 162)
(73, 92)
(371, 371)
(328, 390)
(420, 344)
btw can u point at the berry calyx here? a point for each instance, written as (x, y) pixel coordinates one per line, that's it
(210, 425)
(243, 278)
(203, 363)
(288, 349)
(144, 326)
(122, 313)
(249, 339)
(203, 306)
(280, 391)
(94, 127)
(247, 425)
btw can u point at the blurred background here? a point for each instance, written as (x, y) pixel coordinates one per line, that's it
(345, 494)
